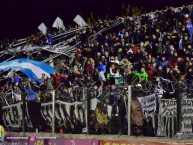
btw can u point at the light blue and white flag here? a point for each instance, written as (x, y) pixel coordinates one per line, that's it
(33, 69)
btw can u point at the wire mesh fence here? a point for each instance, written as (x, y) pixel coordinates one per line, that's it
(156, 99)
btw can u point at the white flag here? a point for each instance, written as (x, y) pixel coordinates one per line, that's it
(79, 20)
(58, 23)
(42, 27)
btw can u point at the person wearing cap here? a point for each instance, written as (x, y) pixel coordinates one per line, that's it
(186, 19)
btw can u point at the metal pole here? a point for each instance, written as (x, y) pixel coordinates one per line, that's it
(83, 94)
(53, 111)
(129, 110)
(10, 58)
(88, 111)
(23, 114)
(178, 108)
(23, 95)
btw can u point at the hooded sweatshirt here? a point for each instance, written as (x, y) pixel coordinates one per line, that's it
(142, 74)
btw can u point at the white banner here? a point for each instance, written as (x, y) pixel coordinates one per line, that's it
(186, 115)
(148, 104)
(12, 116)
(167, 118)
(168, 108)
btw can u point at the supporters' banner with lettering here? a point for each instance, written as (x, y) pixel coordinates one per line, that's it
(148, 104)
(186, 115)
(101, 117)
(12, 117)
(40, 115)
(66, 112)
(124, 142)
(167, 118)
(141, 109)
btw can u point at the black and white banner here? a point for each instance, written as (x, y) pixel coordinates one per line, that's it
(148, 104)
(186, 115)
(12, 117)
(65, 111)
(167, 118)
(143, 109)
(41, 114)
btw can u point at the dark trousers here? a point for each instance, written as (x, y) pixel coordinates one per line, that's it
(123, 124)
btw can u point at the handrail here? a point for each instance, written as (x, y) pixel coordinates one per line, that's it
(18, 44)
(59, 53)
(51, 57)
(68, 32)
(63, 34)
(66, 41)
(23, 41)
(116, 24)
(165, 9)
(104, 29)
(9, 58)
(34, 52)
(2, 53)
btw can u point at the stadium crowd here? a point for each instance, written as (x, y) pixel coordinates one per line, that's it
(143, 48)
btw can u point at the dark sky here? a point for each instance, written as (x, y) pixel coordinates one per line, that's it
(20, 18)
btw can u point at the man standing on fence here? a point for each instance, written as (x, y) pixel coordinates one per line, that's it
(1, 134)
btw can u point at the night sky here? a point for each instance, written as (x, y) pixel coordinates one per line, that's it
(20, 18)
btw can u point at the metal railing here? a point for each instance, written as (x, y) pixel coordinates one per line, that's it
(103, 30)
(103, 95)
(67, 52)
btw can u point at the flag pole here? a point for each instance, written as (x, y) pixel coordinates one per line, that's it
(53, 111)
(129, 110)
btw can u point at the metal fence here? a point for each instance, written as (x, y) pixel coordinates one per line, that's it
(97, 106)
